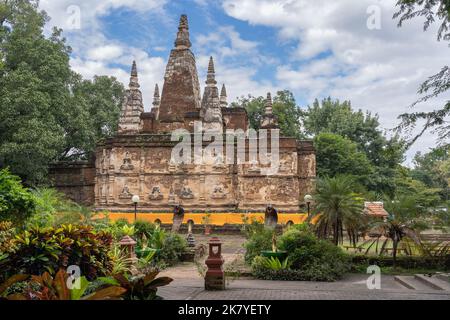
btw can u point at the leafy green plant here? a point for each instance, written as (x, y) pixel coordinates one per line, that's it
(272, 263)
(158, 239)
(144, 228)
(173, 247)
(315, 258)
(141, 287)
(119, 260)
(337, 207)
(7, 233)
(260, 239)
(50, 249)
(55, 288)
(17, 203)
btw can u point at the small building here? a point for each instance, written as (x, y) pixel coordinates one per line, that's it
(375, 209)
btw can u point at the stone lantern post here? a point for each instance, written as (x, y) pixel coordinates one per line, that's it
(215, 276)
(128, 246)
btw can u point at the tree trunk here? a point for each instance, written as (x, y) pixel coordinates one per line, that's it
(394, 251)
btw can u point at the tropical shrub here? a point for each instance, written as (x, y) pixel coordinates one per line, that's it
(271, 264)
(7, 244)
(258, 241)
(141, 287)
(309, 258)
(338, 207)
(49, 249)
(46, 287)
(318, 259)
(173, 247)
(144, 228)
(17, 203)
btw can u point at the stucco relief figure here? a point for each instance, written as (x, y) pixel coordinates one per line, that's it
(284, 190)
(286, 165)
(186, 193)
(178, 217)
(271, 217)
(172, 196)
(127, 165)
(254, 166)
(156, 194)
(218, 192)
(126, 194)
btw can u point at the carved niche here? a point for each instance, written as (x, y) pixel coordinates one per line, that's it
(156, 194)
(126, 194)
(219, 192)
(127, 165)
(186, 193)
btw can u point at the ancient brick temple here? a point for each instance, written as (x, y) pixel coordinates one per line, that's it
(137, 161)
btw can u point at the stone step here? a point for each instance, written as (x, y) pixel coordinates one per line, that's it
(443, 276)
(412, 283)
(433, 282)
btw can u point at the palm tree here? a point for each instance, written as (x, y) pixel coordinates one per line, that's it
(405, 220)
(337, 207)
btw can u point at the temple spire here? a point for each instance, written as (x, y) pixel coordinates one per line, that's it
(133, 107)
(156, 94)
(134, 81)
(156, 102)
(211, 77)
(223, 97)
(269, 120)
(269, 105)
(183, 41)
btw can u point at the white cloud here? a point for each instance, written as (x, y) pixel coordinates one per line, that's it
(338, 55)
(95, 54)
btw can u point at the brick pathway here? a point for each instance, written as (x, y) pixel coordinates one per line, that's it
(351, 288)
(188, 284)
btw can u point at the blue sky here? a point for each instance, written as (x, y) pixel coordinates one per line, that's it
(350, 50)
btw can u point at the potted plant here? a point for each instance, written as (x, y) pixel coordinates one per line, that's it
(275, 253)
(206, 220)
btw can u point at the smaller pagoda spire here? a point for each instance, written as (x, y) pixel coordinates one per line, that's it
(156, 102)
(156, 95)
(183, 41)
(269, 105)
(269, 120)
(134, 81)
(211, 77)
(223, 97)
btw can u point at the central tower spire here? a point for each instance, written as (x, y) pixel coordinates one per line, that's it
(183, 41)
(181, 90)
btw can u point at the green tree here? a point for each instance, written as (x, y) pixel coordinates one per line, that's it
(436, 85)
(337, 155)
(384, 155)
(408, 186)
(48, 113)
(433, 170)
(337, 207)
(284, 107)
(406, 219)
(16, 202)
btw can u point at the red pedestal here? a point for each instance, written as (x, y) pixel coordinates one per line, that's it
(215, 276)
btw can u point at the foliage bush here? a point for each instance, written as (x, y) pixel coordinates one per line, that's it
(49, 249)
(17, 203)
(360, 261)
(318, 259)
(172, 249)
(309, 258)
(257, 242)
(144, 228)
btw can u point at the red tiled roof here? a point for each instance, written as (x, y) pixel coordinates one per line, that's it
(375, 209)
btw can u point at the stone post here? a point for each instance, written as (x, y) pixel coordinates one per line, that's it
(215, 276)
